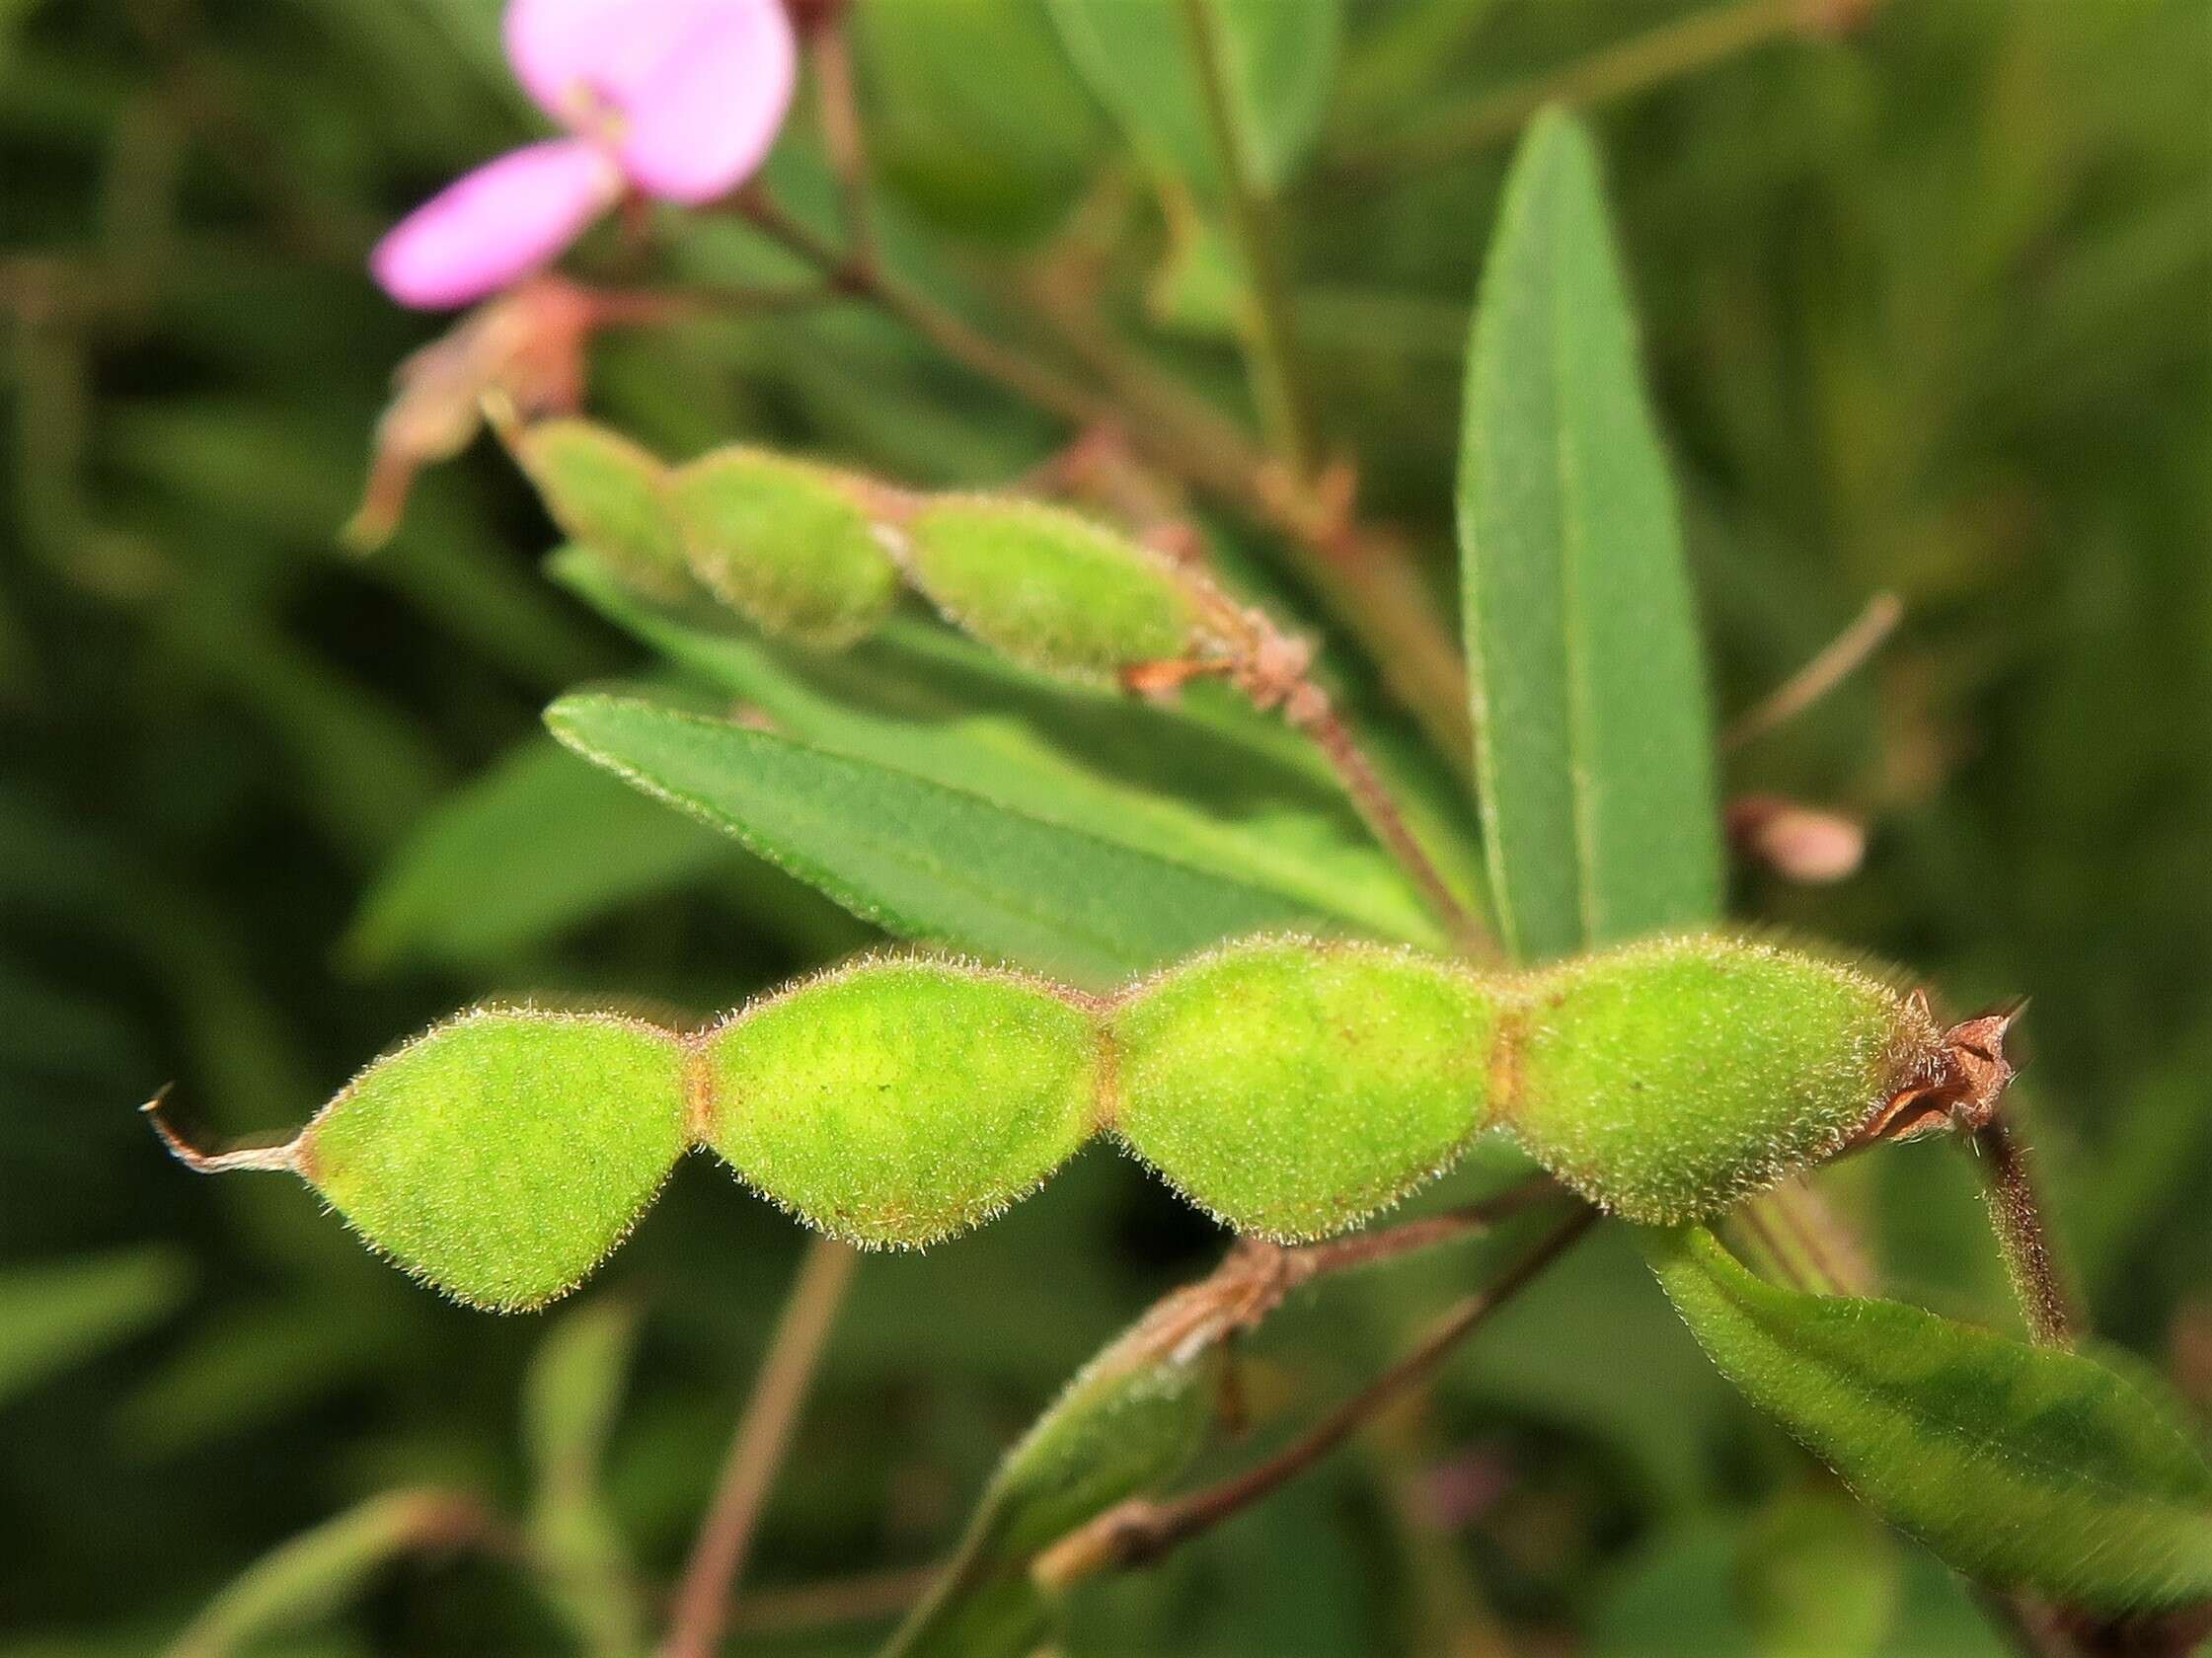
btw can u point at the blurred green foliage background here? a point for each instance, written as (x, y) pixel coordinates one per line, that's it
(1928, 309)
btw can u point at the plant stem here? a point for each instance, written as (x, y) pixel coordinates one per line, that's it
(1389, 1243)
(811, 1607)
(717, 1556)
(1636, 64)
(1141, 1531)
(1380, 808)
(1273, 670)
(2021, 1233)
(1826, 669)
(1252, 211)
(866, 279)
(831, 54)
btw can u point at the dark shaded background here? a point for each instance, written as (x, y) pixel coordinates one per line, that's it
(1928, 311)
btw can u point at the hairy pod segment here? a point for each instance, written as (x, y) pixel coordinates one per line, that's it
(1667, 1080)
(1292, 1089)
(784, 543)
(503, 1155)
(610, 495)
(1049, 588)
(898, 1102)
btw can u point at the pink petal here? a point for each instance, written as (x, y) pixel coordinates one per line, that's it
(496, 225)
(689, 93)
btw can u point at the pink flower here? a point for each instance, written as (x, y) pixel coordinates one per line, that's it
(679, 99)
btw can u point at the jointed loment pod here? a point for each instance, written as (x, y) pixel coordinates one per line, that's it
(1290, 1088)
(809, 552)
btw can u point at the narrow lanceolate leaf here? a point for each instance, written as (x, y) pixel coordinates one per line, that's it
(540, 843)
(318, 1571)
(2024, 1466)
(1126, 1424)
(1209, 782)
(1137, 57)
(60, 1314)
(918, 858)
(573, 1390)
(1593, 744)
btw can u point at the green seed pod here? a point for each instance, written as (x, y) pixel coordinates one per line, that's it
(503, 1155)
(1292, 1089)
(784, 543)
(1047, 587)
(610, 495)
(901, 1101)
(1666, 1080)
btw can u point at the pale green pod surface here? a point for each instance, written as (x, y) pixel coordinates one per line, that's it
(1049, 588)
(612, 496)
(902, 1101)
(501, 1156)
(784, 543)
(1292, 1089)
(1666, 1080)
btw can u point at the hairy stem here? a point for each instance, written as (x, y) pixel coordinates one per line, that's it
(1274, 671)
(1392, 1243)
(2017, 1216)
(1252, 211)
(718, 1556)
(1380, 808)
(1141, 1531)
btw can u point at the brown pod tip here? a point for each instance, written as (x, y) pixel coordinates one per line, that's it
(283, 1157)
(1960, 1090)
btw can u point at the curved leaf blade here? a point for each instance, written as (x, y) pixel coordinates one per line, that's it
(306, 1578)
(1209, 782)
(1593, 741)
(538, 844)
(2024, 1466)
(921, 860)
(571, 1398)
(1126, 1424)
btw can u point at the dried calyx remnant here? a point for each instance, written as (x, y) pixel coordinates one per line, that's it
(1965, 1081)
(1290, 1088)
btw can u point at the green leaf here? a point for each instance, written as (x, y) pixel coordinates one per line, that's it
(1593, 747)
(1128, 1423)
(1819, 1578)
(570, 1400)
(1136, 58)
(1674, 1598)
(538, 844)
(236, 1370)
(1807, 1576)
(973, 116)
(57, 1315)
(306, 1578)
(2024, 1466)
(1209, 782)
(918, 858)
